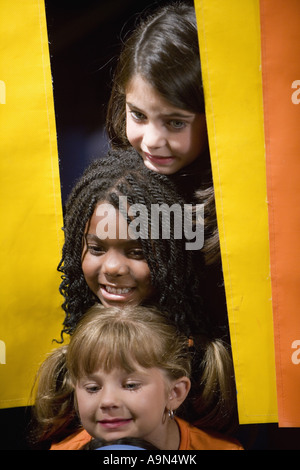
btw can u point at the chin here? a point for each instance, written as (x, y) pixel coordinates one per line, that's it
(160, 170)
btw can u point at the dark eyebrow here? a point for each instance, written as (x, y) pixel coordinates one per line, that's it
(132, 105)
(178, 115)
(92, 237)
(131, 242)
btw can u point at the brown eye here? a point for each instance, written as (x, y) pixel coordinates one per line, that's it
(136, 253)
(95, 249)
(177, 125)
(137, 116)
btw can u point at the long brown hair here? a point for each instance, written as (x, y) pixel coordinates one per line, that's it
(164, 50)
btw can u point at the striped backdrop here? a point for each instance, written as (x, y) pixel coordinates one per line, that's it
(250, 55)
(251, 72)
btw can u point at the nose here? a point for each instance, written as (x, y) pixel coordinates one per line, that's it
(114, 264)
(153, 136)
(109, 398)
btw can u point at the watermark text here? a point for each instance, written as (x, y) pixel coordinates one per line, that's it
(175, 221)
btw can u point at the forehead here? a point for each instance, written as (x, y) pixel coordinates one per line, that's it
(141, 93)
(108, 222)
(106, 215)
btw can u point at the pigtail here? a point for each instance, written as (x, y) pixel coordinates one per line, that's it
(213, 395)
(54, 413)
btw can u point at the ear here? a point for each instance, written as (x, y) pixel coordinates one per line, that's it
(178, 392)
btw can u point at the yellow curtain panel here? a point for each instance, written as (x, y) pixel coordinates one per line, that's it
(31, 214)
(229, 35)
(251, 73)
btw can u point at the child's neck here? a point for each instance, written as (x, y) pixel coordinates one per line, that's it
(172, 437)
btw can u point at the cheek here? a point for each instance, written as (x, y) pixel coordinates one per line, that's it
(90, 268)
(133, 132)
(189, 146)
(87, 406)
(184, 142)
(86, 270)
(82, 404)
(145, 282)
(142, 274)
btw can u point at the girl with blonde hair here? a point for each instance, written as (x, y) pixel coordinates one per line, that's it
(125, 373)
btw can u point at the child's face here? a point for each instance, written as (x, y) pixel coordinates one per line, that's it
(120, 404)
(114, 268)
(167, 138)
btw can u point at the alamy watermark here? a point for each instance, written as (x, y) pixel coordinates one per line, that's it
(164, 221)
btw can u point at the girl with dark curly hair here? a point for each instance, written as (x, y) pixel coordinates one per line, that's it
(113, 270)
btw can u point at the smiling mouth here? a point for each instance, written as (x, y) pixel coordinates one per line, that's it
(160, 159)
(114, 423)
(118, 290)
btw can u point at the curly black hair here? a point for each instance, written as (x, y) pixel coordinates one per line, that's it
(175, 271)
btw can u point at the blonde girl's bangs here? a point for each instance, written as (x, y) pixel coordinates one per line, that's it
(108, 350)
(109, 338)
